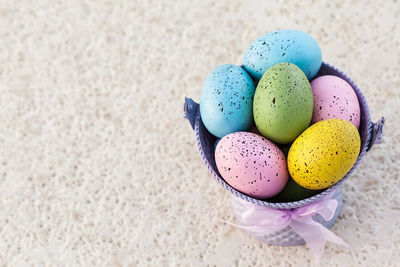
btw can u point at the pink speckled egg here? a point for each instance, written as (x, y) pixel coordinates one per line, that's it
(251, 164)
(334, 98)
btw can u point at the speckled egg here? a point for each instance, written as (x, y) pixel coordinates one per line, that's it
(334, 98)
(283, 103)
(293, 192)
(324, 153)
(276, 47)
(251, 164)
(226, 103)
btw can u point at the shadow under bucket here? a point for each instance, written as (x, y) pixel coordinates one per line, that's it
(370, 133)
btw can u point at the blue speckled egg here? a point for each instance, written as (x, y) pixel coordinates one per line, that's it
(291, 46)
(226, 103)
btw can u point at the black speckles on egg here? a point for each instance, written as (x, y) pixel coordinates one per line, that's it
(252, 161)
(283, 95)
(335, 99)
(325, 156)
(227, 90)
(290, 45)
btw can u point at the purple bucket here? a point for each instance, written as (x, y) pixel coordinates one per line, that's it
(370, 134)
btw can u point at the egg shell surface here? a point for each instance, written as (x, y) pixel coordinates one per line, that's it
(251, 164)
(292, 46)
(226, 103)
(324, 153)
(283, 103)
(334, 98)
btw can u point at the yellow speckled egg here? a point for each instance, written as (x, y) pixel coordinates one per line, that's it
(324, 153)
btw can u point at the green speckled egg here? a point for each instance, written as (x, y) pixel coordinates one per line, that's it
(294, 192)
(324, 153)
(283, 103)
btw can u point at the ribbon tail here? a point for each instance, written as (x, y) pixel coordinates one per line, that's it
(247, 228)
(315, 235)
(258, 230)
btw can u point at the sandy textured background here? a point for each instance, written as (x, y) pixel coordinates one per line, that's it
(97, 166)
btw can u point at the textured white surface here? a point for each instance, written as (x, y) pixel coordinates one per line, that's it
(97, 166)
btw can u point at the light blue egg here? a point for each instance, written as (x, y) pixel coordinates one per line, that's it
(226, 103)
(291, 46)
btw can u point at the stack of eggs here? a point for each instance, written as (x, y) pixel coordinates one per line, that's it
(282, 134)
